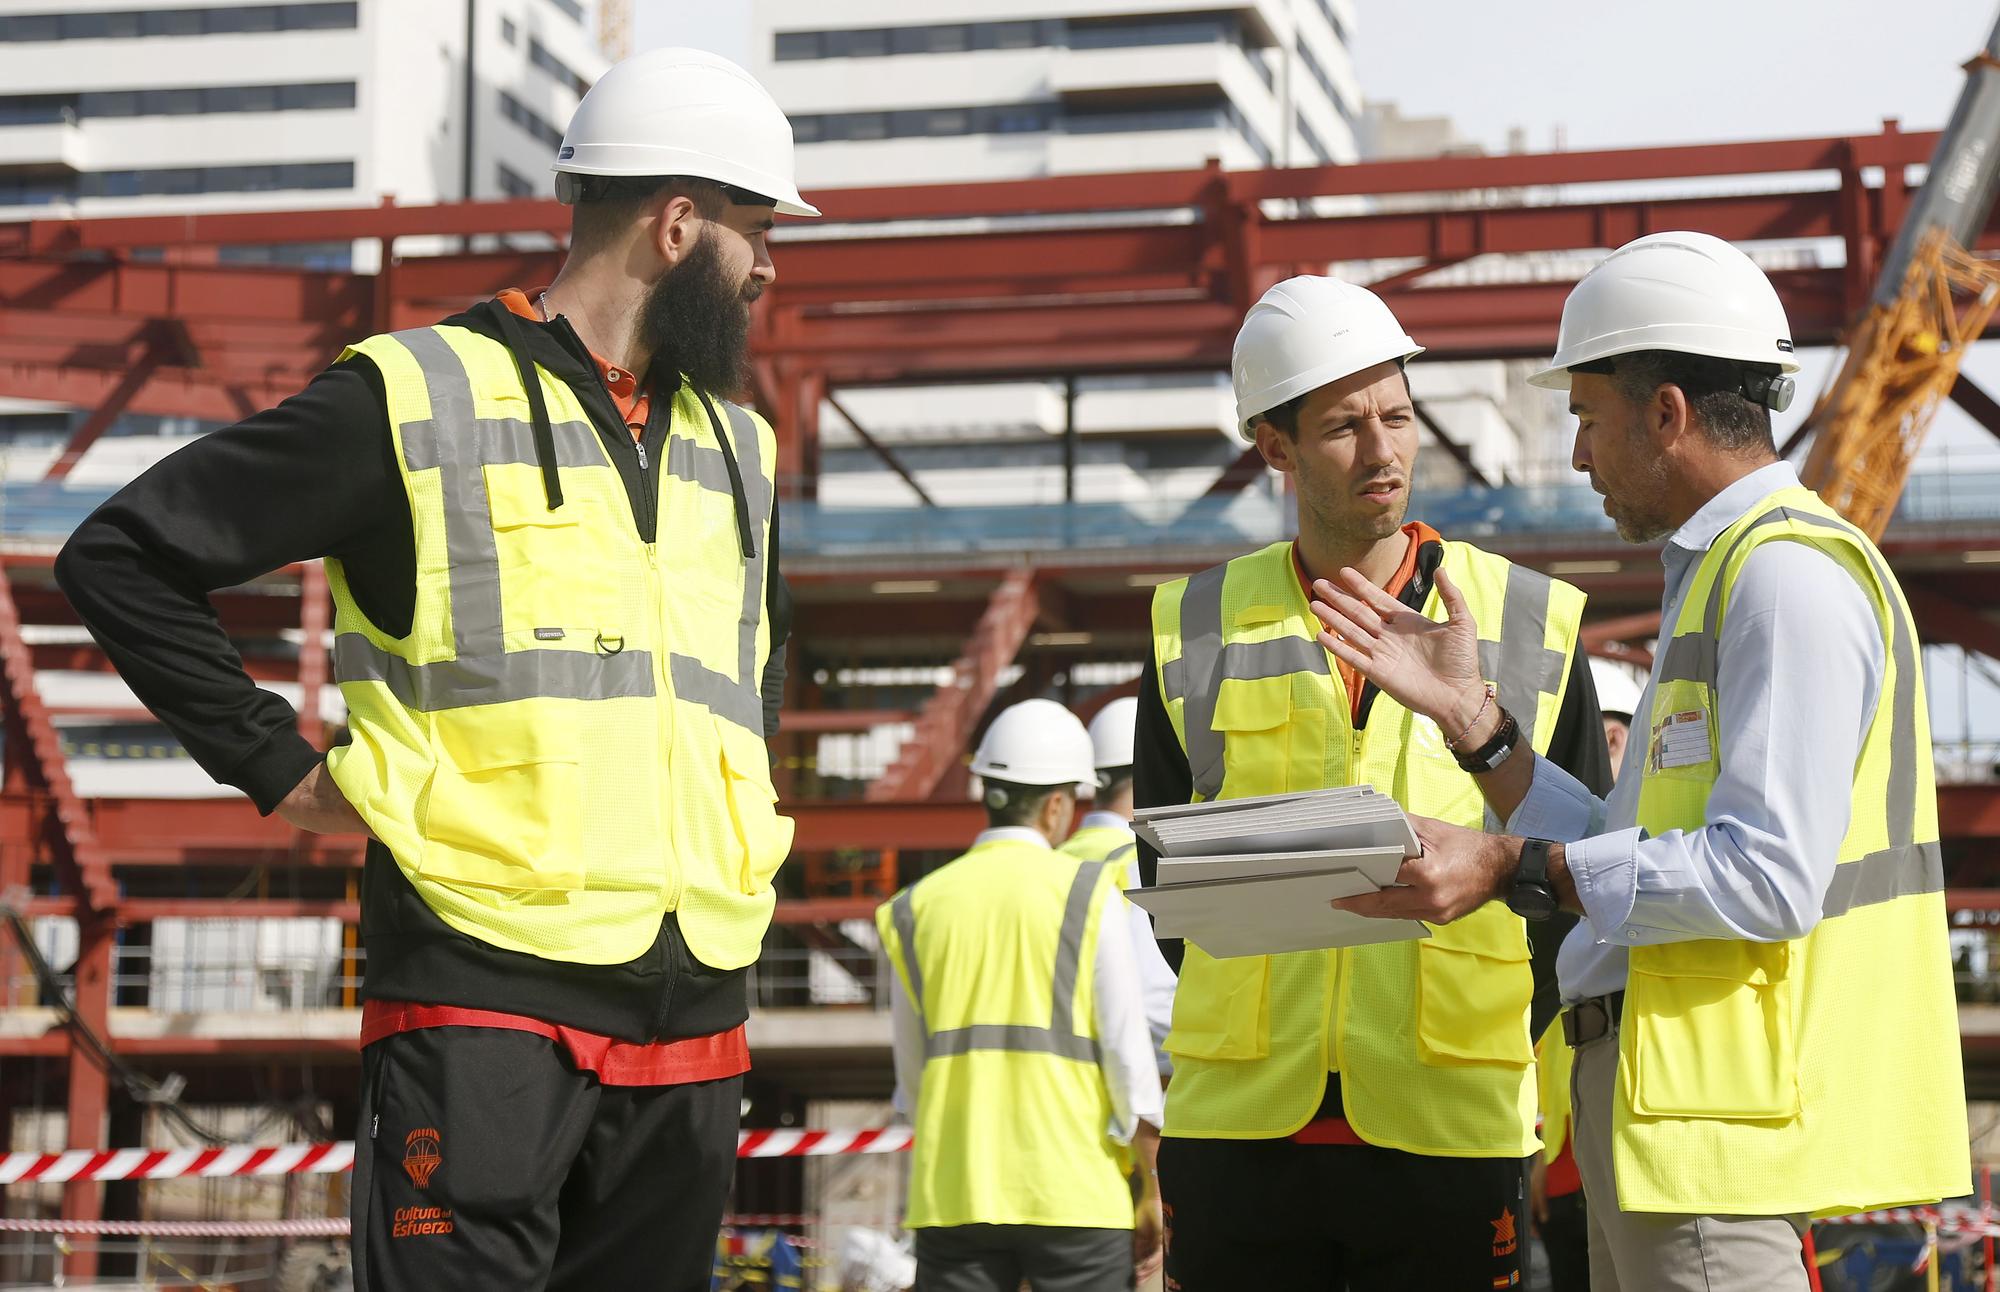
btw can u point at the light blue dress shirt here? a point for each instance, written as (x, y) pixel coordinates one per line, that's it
(1799, 670)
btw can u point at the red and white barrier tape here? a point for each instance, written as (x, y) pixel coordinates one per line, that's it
(327, 1228)
(322, 1159)
(172, 1164)
(821, 1143)
(1957, 1220)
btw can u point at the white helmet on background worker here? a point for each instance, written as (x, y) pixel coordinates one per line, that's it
(1111, 736)
(1304, 333)
(680, 111)
(1617, 688)
(1691, 293)
(1035, 743)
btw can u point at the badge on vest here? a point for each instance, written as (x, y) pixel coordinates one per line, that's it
(1681, 740)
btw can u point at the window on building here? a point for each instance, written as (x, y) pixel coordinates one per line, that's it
(37, 109)
(934, 38)
(1316, 149)
(513, 183)
(1325, 83)
(509, 32)
(570, 7)
(529, 120)
(541, 57)
(189, 102)
(123, 24)
(794, 46)
(177, 181)
(247, 18)
(1333, 20)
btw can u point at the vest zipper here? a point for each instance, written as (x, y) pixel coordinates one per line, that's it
(641, 445)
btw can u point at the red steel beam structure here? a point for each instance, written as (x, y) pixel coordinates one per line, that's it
(1039, 295)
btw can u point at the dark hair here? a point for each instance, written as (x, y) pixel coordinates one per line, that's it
(1714, 388)
(604, 206)
(1113, 781)
(1017, 804)
(1286, 415)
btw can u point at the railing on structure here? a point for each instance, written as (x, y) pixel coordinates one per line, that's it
(37, 1261)
(1949, 488)
(216, 966)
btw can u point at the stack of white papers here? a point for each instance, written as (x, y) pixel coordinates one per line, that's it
(1254, 876)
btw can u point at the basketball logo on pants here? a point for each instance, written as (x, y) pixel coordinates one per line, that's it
(421, 1156)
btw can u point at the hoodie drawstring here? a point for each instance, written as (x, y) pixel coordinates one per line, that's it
(538, 409)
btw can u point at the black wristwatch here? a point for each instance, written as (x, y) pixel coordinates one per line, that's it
(1532, 897)
(1494, 752)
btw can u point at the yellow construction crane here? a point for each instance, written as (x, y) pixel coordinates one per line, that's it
(1932, 300)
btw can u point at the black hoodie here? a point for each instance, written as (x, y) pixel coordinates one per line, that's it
(316, 477)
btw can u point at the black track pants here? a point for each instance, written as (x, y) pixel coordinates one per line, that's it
(485, 1161)
(1339, 1218)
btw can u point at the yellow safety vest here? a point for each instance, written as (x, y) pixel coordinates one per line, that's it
(568, 743)
(1107, 843)
(1430, 1036)
(995, 951)
(1554, 1062)
(1823, 1074)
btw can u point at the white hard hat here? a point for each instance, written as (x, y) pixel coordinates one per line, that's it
(1304, 333)
(1617, 688)
(1035, 742)
(1687, 292)
(680, 111)
(1111, 733)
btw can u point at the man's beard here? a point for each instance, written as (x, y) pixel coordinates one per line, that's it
(695, 321)
(1640, 505)
(1346, 526)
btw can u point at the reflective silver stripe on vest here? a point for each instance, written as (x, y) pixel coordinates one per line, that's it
(1520, 663)
(458, 446)
(1060, 1037)
(738, 699)
(905, 917)
(471, 556)
(494, 679)
(1905, 868)
(1201, 666)
(1909, 870)
(499, 441)
(1013, 1038)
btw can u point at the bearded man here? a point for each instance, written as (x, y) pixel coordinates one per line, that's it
(552, 548)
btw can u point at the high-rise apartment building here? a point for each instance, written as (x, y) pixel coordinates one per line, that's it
(144, 107)
(883, 92)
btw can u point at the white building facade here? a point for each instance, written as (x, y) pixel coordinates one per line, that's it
(884, 92)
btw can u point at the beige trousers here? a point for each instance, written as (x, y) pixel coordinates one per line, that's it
(1639, 1251)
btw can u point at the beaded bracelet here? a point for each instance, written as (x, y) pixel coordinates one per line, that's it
(1453, 742)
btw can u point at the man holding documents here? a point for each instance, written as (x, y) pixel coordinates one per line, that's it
(1358, 1117)
(1022, 1056)
(1759, 997)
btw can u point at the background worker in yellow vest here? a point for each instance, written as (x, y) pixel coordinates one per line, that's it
(1759, 997)
(1021, 1050)
(558, 630)
(1359, 1118)
(1105, 834)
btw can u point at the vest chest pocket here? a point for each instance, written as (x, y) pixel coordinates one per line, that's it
(761, 832)
(1269, 746)
(505, 807)
(1708, 1031)
(1222, 1008)
(1474, 987)
(554, 566)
